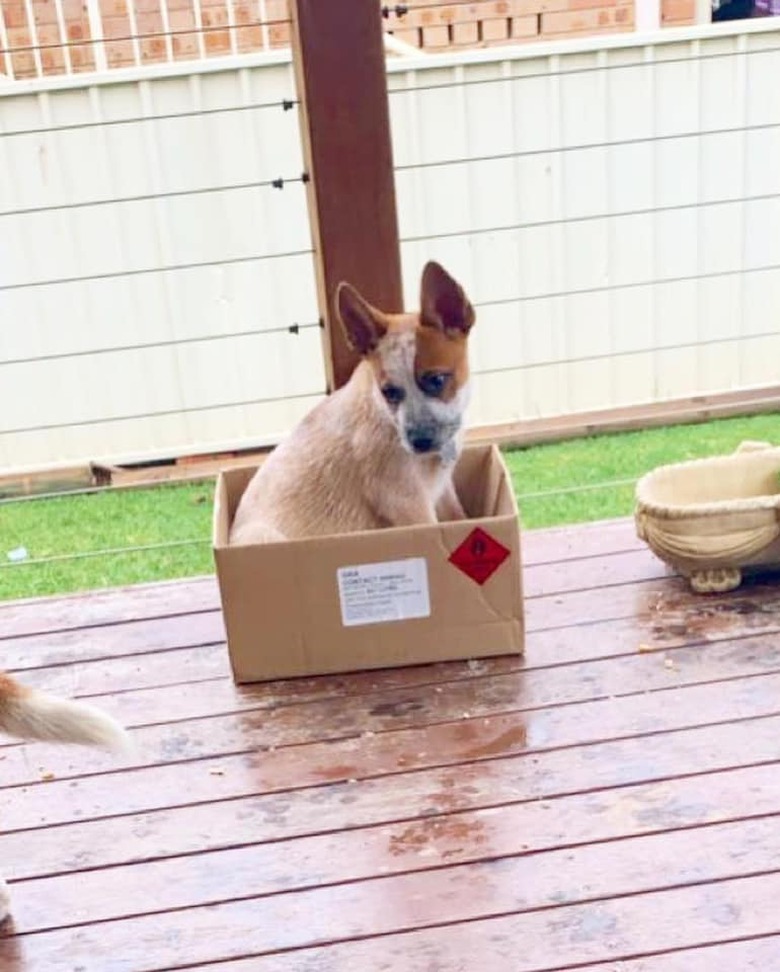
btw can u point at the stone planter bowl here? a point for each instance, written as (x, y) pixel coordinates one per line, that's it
(713, 519)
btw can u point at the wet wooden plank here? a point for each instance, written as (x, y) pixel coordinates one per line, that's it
(556, 774)
(361, 756)
(702, 622)
(595, 800)
(107, 607)
(377, 705)
(606, 570)
(217, 717)
(747, 955)
(113, 641)
(752, 955)
(653, 602)
(581, 540)
(708, 621)
(132, 673)
(567, 934)
(48, 661)
(598, 831)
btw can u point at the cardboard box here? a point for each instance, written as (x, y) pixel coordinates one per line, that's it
(376, 599)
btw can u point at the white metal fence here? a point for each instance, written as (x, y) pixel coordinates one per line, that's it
(151, 270)
(615, 212)
(612, 206)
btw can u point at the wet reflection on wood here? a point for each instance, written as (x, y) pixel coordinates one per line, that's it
(610, 800)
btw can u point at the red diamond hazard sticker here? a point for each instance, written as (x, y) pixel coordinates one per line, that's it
(479, 556)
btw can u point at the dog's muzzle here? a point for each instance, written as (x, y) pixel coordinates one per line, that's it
(422, 443)
(425, 438)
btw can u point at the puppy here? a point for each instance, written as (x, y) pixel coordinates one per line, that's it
(33, 715)
(380, 451)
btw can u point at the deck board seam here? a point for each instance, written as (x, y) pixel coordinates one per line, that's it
(529, 753)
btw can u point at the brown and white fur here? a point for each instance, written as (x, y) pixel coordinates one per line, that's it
(28, 714)
(380, 451)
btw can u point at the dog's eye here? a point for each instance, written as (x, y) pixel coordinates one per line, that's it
(433, 383)
(393, 394)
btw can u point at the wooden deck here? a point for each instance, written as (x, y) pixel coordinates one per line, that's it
(610, 803)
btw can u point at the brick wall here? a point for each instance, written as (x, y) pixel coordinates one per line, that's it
(52, 56)
(430, 24)
(677, 13)
(118, 29)
(434, 25)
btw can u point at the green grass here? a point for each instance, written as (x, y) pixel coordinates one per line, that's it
(67, 525)
(99, 521)
(610, 458)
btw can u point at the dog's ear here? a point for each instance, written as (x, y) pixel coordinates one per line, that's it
(443, 302)
(364, 326)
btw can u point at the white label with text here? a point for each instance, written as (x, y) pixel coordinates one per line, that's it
(395, 590)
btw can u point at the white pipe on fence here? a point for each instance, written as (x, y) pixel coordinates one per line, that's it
(32, 27)
(62, 27)
(96, 33)
(8, 57)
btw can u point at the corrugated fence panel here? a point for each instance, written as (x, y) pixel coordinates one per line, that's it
(150, 270)
(614, 212)
(611, 205)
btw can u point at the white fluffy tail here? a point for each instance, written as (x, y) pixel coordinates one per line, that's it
(34, 715)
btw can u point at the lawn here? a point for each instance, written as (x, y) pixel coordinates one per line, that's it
(126, 536)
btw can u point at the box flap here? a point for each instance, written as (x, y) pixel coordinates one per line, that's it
(505, 500)
(220, 523)
(470, 476)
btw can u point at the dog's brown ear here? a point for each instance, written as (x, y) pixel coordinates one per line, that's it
(443, 302)
(364, 326)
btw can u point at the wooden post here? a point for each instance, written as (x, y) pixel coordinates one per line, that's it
(345, 124)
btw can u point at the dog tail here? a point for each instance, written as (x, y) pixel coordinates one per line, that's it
(28, 714)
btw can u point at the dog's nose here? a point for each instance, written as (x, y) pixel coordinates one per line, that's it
(422, 443)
